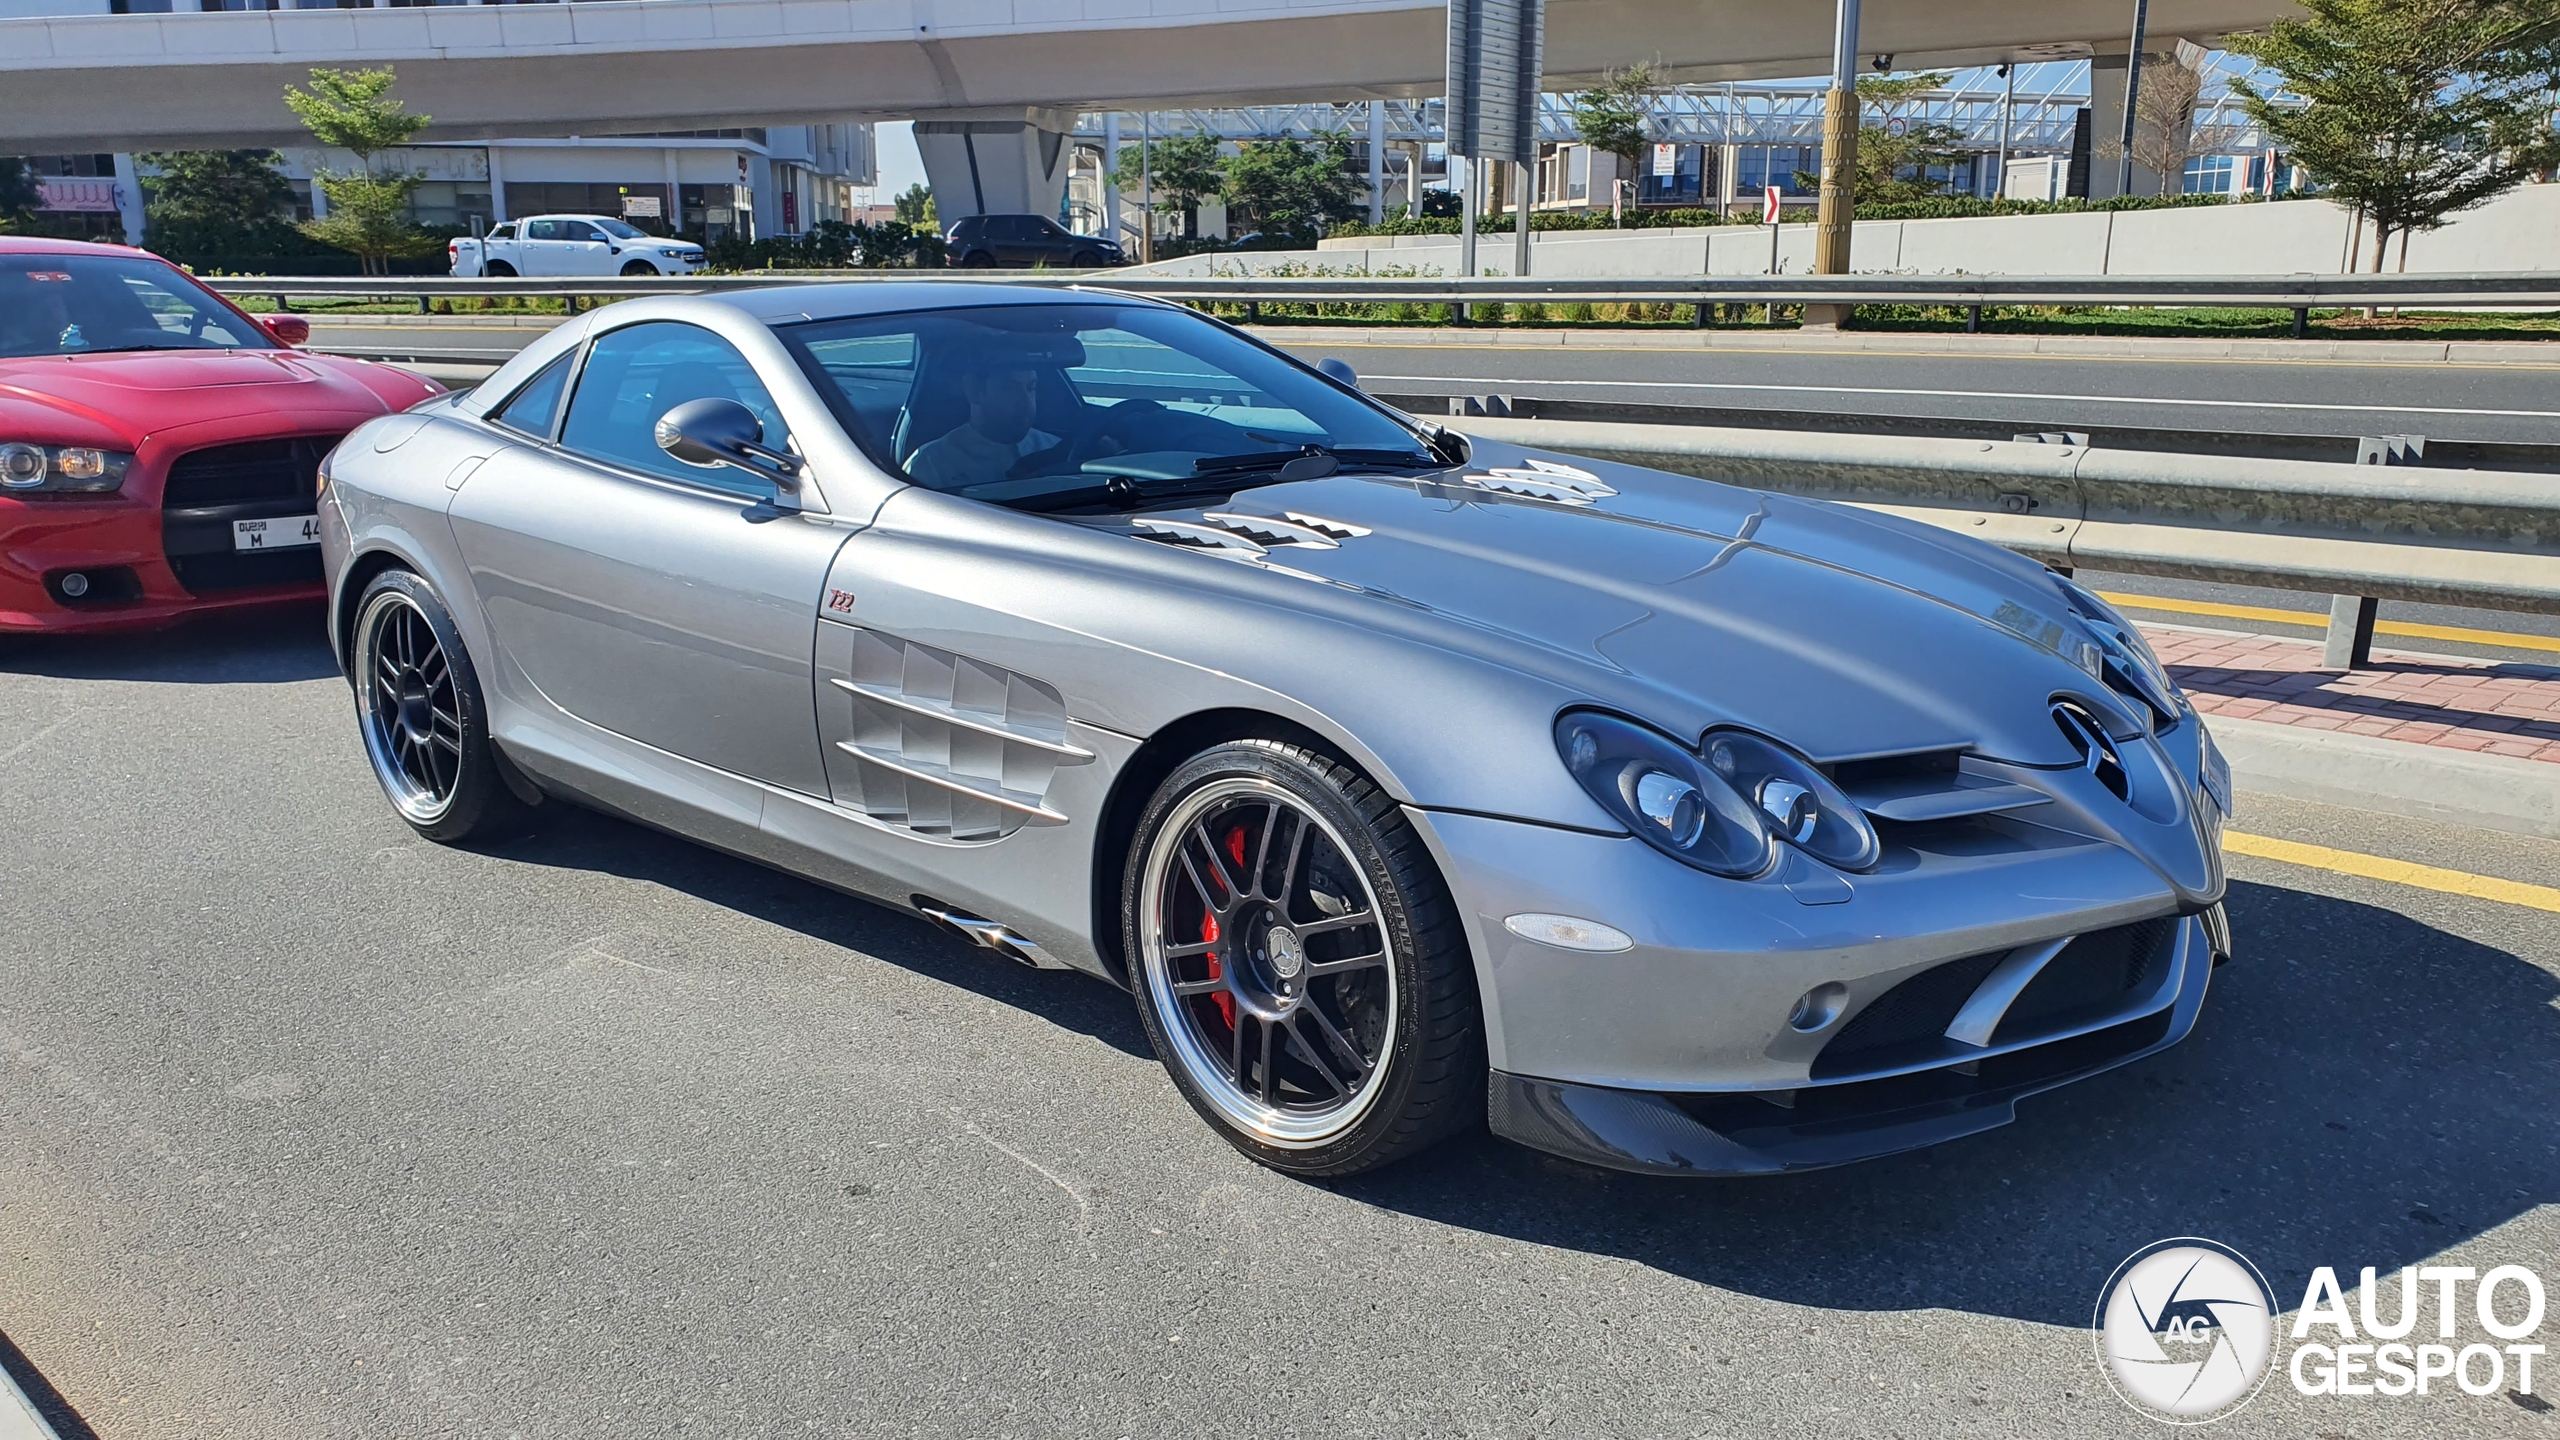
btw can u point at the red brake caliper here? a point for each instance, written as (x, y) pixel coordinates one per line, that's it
(1225, 1002)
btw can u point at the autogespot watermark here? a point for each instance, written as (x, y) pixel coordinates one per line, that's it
(2186, 1333)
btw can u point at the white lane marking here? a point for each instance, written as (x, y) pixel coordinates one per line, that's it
(1525, 383)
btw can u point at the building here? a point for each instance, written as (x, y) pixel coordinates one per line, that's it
(752, 181)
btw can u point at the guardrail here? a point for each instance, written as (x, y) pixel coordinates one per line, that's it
(2299, 293)
(2451, 537)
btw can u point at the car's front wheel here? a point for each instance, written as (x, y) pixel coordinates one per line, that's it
(639, 267)
(1298, 963)
(425, 725)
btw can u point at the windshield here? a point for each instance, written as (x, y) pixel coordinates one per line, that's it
(619, 230)
(86, 304)
(1033, 404)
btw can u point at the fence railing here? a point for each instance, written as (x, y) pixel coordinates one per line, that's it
(2452, 537)
(2521, 290)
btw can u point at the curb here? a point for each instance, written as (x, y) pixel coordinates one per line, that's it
(2392, 777)
(19, 1418)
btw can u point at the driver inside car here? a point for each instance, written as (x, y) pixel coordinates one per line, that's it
(1002, 398)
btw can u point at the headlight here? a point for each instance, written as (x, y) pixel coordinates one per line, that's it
(1798, 802)
(73, 469)
(1665, 794)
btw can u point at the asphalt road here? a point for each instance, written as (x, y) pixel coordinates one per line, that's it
(310, 1128)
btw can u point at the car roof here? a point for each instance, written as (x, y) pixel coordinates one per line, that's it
(783, 304)
(45, 245)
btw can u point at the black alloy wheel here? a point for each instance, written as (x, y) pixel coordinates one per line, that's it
(1298, 964)
(419, 708)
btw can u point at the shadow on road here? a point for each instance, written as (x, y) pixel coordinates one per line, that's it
(585, 840)
(2363, 1089)
(274, 645)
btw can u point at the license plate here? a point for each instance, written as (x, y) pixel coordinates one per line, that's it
(285, 532)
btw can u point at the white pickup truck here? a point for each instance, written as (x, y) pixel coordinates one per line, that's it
(570, 245)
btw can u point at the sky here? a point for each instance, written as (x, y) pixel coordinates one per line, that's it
(900, 165)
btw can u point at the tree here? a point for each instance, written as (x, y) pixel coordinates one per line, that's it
(205, 203)
(1614, 116)
(368, 206)
(1896, 153)
(1294, 188)
(1179, 170)
(2413, 110)
(915, 208)
(18, 192)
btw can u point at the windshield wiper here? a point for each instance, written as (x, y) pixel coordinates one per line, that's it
(1309, 462)
(1122, 492)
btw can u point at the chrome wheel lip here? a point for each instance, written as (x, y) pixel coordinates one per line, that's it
(380, 714)
(1270, 1124)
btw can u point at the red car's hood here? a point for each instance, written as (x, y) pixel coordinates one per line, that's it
(120, 398)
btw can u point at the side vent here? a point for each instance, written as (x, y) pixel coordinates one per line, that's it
(938, 743)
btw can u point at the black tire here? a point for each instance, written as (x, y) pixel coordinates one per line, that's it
(978, 260)
(639, 267)
(498, 270)
(1384, 1012)
(1087, 260)
(424, 723)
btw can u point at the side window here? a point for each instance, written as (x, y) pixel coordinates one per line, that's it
(640, 372)
(542, 230)
(579, 230)
(533, 407)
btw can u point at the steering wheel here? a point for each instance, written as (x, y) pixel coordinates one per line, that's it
(1103, 424)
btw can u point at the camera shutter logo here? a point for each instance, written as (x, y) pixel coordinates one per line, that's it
(2185, 1329)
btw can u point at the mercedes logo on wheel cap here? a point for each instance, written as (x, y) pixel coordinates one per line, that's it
(1288, 954)
(2184, 1330)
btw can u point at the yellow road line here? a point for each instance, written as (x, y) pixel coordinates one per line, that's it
(2398, 872)
(2316, 620)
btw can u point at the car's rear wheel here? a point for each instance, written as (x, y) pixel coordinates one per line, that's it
(977, 260)
(498, 270)
(419, 707)
(639, 267)
(1298, 963)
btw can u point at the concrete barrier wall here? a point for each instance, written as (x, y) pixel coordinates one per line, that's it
(2519, 231)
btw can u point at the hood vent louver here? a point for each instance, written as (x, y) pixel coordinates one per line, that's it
(1542, 480)
(1248, 537)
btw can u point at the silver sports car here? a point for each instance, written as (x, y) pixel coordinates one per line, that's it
(1409, 782)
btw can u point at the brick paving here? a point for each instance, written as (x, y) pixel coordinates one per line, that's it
(2444, 701)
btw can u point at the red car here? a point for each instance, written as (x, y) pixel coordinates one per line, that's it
(159, 446)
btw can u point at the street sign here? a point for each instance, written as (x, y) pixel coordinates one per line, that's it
(1497, 51)
(1769, 206)
(641, 207)
(1666, 159)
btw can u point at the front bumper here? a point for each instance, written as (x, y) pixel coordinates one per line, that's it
(1688, 1053)
(118, 543)
(1775, 1132)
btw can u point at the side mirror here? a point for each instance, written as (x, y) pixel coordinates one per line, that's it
(1339, 371)
(288, 329)
(714, 432)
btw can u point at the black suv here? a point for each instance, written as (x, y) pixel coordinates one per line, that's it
(985, 240)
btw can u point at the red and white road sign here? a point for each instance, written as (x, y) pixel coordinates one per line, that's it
(1769, 206)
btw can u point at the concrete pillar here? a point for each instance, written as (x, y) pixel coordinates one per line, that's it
(1377, 161)
(497, 189)
(129, 198)
(1110, 169)
(674, 217)
(2106, 119)
(1837, 215)
(1010, 166)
